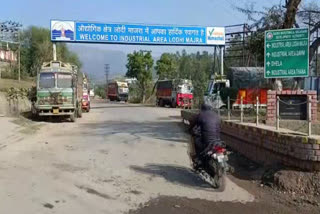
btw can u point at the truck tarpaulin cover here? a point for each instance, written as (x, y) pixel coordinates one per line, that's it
(247, 77)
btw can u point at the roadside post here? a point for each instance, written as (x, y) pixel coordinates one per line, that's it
(309, 116)
(54, 52)
(241, 110)
(229, 116)
(257, 111)
(219, 113)
(278, 115)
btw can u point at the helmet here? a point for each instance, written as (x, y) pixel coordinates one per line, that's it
(206, 107)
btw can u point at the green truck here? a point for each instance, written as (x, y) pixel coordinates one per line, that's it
(59, 91)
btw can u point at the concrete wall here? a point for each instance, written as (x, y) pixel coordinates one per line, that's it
(13, 108)
(267, 146)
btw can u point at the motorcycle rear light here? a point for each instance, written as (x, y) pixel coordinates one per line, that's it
(219, 149)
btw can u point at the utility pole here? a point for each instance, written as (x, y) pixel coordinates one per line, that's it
(54, 46)
(107, 70)
(19, 63)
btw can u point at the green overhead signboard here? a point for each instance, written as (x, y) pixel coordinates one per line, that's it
(286, 53)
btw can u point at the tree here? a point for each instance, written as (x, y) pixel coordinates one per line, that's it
(37, 48)
(140, 66)
(196, 67)
(167, 66)
(290, 15)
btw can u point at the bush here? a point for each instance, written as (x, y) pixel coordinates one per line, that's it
(135, 93)
(100, 91)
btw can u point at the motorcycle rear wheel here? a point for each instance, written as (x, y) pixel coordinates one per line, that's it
(217, 175)
(219, 181)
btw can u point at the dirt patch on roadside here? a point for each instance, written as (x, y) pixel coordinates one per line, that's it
(178, 205)
(27, 126)
(298, 182)
(277, 185)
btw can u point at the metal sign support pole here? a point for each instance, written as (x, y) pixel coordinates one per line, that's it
(309, 116)
(218, 96)
(241, 110)
(229, 116)
(278, 116)
(221, 49)
(257, 119)
(54, 52)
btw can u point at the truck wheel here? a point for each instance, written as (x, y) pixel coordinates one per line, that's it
(73, 117)
(79, 112)
(161, 103)
(173, 104)
(35, 116)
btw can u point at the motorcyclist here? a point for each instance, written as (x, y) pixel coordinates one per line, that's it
(209, 123)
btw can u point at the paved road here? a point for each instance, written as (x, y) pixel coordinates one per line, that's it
(110, 161)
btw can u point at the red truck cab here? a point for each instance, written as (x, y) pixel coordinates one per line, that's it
(174, 93)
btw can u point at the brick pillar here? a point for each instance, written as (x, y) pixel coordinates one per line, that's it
(272, 103)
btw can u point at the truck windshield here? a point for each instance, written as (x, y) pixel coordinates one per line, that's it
(47, 80)
(64, 81)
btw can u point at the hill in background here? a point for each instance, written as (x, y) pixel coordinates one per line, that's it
(93, 60)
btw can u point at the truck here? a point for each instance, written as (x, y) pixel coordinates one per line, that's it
(86, 94)
(59, 91)
(212, 96)
(118, 91)
(248, 81)
(92, 93)
(175, 92)
(249, 97)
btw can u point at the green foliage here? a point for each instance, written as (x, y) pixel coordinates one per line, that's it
(196, 67)
(139, 66)
(167, 66)
(100, 91)
(37, 48)
(14, 94)
(135, 93)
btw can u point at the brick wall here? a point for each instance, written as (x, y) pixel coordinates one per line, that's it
(272, 103)
(267, 146)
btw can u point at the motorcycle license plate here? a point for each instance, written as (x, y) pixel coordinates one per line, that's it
(220, 158)
(56, 111)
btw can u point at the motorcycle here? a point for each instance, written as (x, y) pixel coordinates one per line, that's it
(211, 164)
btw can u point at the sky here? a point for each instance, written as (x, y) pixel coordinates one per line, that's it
(175, 12)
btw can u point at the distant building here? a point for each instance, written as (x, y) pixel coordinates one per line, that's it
(7, 58)
(8, 55)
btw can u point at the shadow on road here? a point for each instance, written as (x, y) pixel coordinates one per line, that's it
(50, 119)
(120, 105)
(162, 130)
(174, 174)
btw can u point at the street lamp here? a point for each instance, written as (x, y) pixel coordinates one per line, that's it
(8, 32)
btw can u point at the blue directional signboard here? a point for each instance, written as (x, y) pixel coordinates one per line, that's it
(89, 32)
